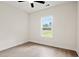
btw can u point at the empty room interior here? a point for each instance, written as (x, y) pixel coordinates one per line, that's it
(39, 29)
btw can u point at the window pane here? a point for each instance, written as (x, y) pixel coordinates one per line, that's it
(47, 26)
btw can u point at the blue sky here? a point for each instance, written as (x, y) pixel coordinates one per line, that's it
(47, 19)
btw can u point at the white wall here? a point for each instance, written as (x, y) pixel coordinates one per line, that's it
(64, 26)
(13, 26)
(78, 29)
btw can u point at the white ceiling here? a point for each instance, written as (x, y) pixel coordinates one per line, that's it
(37, 6)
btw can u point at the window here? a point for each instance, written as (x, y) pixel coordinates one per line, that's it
(47, 26)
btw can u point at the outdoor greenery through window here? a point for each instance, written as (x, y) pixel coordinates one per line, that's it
(47, 26)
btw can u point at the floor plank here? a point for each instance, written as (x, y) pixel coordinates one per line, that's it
(37, 50)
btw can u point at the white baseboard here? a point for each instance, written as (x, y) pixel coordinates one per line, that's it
(77, 52)
(13, 45)
(24, 41)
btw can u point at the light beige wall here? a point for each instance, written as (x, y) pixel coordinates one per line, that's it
(78, 29)
(13, 26)
(64, 26)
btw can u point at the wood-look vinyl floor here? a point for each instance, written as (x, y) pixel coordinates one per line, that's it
(36, 50)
